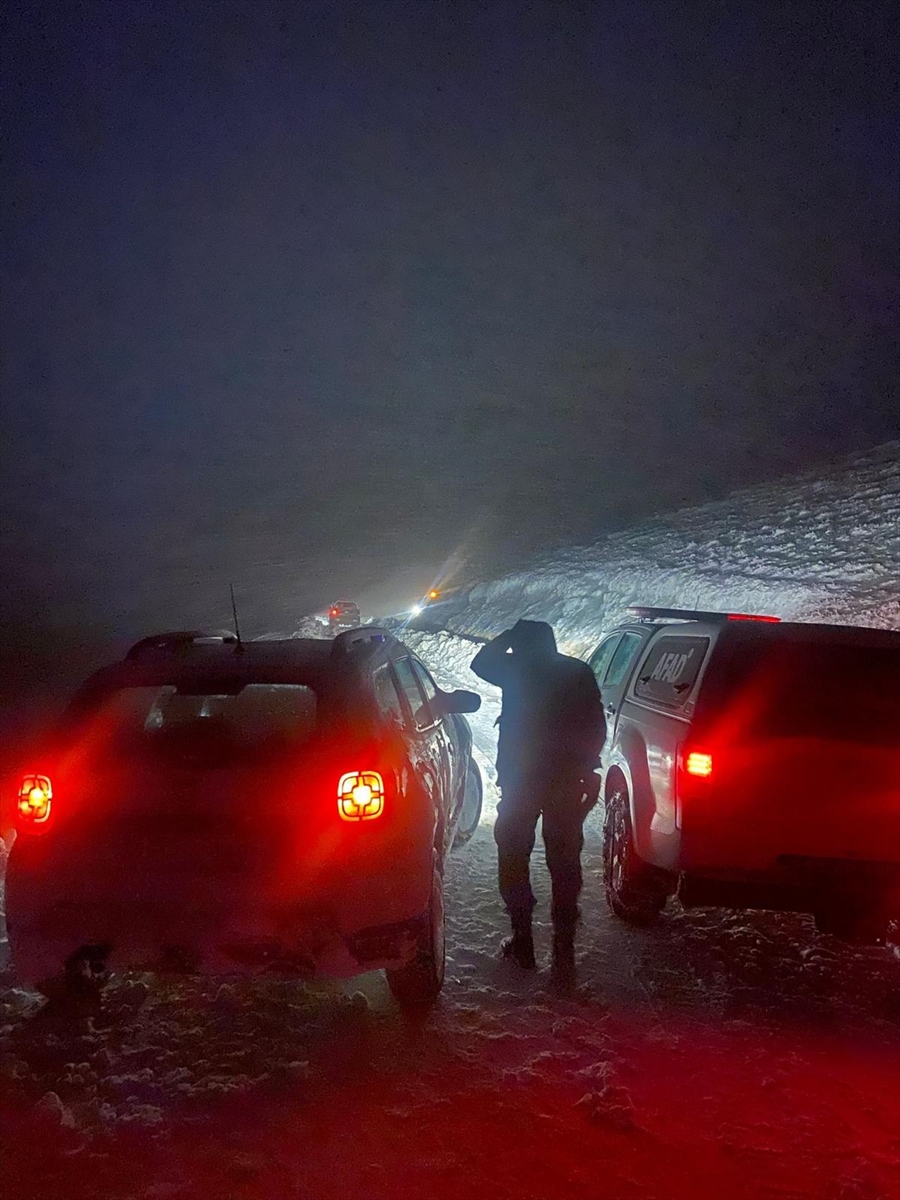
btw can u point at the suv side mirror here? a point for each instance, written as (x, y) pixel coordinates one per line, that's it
(445, 703)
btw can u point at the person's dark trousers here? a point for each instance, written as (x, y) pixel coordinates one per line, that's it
(514, 833)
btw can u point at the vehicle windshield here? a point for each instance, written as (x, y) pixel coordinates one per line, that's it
(211, 728)
(803, 689)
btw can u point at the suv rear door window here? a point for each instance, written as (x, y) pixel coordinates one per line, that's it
(418, 705)
(429, 687)
(669, 671)
(387, 695)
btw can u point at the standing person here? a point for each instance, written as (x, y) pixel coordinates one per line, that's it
(552, 729)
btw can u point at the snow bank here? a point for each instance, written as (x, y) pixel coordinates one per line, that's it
(818, 547)
(823, 546)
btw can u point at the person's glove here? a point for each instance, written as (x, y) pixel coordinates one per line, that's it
(591, 794)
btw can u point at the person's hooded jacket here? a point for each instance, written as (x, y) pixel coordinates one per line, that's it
(552, 724)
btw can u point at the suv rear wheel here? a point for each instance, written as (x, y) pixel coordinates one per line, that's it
(635, 890)
(420, 981)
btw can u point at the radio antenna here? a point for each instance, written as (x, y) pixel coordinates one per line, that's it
(237, 629)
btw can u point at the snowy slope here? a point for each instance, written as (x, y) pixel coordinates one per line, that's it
(823, 546)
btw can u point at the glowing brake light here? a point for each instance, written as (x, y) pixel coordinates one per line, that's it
(753, 617)
(699, 764)
(35, 795)
(360, 796)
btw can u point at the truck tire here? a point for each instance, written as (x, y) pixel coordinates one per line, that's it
(635, 891)
(420, 981)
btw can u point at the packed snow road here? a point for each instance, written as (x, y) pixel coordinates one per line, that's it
(715, 1056)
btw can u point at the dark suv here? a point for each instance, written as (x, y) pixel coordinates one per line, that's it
(279, 806)
(751, 763)
(344, 614)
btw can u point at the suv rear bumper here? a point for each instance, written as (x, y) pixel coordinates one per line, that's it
(311, 947)
(357, 916)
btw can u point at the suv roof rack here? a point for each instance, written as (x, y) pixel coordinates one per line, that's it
(646, 613)
(177, 639)
(346, 642)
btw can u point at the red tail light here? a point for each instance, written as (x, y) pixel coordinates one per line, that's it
(360, 796)
(753, 617)
(698, 763)
(35, 799)
(693, 783)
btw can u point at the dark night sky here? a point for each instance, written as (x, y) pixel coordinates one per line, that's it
(314, 295)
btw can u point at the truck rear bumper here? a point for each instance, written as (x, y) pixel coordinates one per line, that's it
(798, 883)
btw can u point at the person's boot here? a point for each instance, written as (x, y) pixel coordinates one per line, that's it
(563, 964)
(520, 947)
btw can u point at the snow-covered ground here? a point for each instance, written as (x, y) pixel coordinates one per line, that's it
(712, 1058)
(716, 1056)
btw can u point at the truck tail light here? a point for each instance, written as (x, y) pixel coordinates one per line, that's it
(360, 796)
(698, 763)
(693, 782)
(35, 799)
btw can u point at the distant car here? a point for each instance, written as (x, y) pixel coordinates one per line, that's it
(438, 603)
(751, 763)
(344, 614)
(431, 597)
(277, 806)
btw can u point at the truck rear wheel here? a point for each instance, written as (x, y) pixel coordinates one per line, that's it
(635, 891)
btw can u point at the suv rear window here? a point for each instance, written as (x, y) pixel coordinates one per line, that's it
(802, 689)
(670, 670)
(258, 719)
